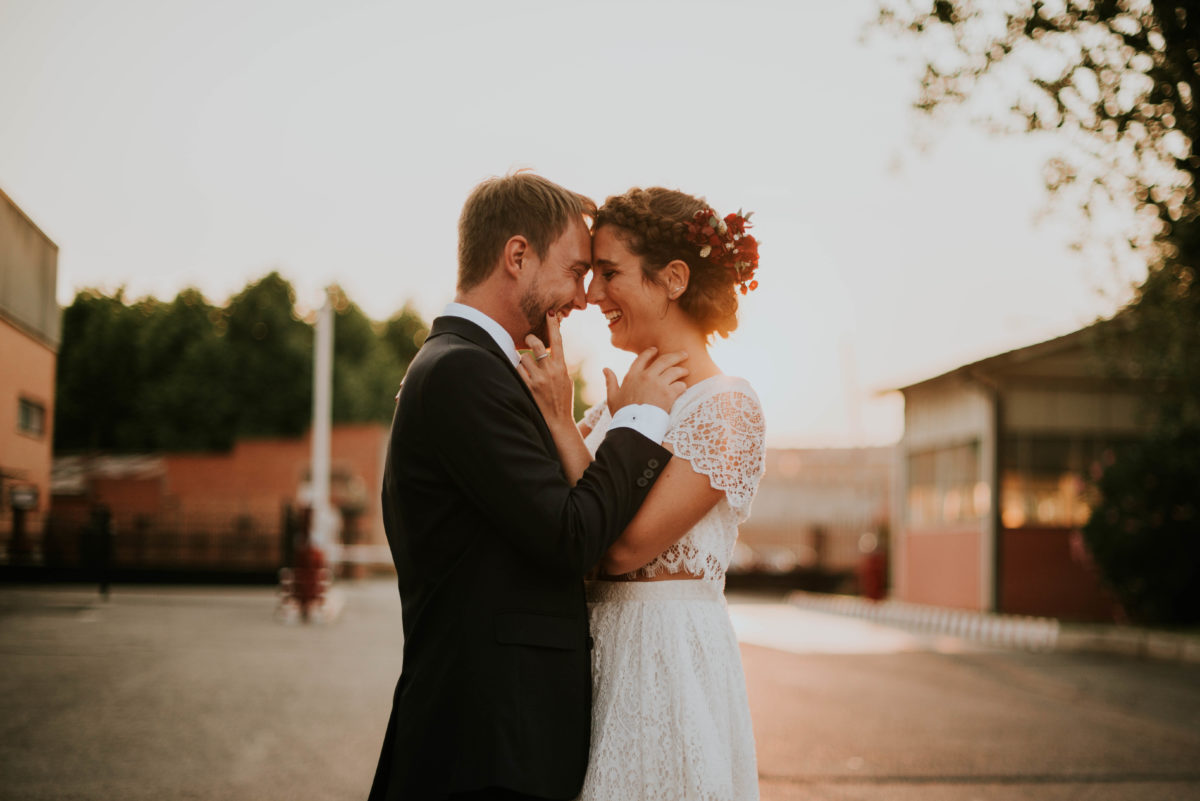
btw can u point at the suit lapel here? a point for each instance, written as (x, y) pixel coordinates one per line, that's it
(469, 331)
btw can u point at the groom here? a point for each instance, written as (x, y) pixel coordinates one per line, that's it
(489, 540)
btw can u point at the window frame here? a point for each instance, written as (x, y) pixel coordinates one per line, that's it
(24, 403)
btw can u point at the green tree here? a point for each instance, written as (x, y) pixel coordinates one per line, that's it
(1118, 82)
(580, 406)
(269, 352)
(403, 334)
(1144, 533)
(97, 382)
(366, 371)
(188, 375)
(186, 402)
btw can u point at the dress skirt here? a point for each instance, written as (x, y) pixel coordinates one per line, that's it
(670, 719)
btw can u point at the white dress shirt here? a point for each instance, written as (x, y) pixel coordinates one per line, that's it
(647, 419)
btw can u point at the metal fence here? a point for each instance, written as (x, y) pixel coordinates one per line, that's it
(75, 546)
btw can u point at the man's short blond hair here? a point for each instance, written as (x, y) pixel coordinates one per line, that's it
(521, 204)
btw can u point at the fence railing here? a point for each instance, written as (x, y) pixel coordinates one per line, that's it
(72, 544)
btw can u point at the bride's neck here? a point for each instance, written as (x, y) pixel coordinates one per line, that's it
(699, 363)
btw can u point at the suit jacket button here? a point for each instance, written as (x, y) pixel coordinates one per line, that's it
(641, 482)
(648, 473)
(653, 463)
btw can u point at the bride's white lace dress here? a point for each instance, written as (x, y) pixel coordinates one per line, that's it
(670, 720)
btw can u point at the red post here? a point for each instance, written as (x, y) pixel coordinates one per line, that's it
(872, 575)
(305, 584)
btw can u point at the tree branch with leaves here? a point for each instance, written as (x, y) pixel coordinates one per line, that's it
(1116, 83)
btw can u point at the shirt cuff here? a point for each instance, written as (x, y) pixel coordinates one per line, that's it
(648, 420)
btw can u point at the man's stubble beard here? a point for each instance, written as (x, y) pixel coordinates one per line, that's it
(534, 309)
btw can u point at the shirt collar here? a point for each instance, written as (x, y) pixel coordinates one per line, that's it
(493, 328)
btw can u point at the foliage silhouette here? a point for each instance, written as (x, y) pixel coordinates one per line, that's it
(187, 375)
(1118, 81)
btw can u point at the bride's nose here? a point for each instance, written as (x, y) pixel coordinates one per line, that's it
(595, 293)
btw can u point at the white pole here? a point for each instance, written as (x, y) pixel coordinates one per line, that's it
(323, 521)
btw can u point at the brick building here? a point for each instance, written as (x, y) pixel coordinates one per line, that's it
(29, 337)
(220, 510)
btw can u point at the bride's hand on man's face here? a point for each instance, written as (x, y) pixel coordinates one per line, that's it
(545, 372)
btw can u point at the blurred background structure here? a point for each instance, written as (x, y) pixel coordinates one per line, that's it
(29, 338)
(975, 342)
(996, 461)
(813, 509)
(948, 422)
(1057, 468)
(221, 512)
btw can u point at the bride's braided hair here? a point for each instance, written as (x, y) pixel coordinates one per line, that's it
(654, 222)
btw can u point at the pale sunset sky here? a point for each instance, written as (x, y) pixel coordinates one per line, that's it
(171, 144)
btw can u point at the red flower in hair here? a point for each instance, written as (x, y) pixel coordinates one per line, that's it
(725, 243)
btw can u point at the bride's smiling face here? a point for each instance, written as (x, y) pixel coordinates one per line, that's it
(634, 306)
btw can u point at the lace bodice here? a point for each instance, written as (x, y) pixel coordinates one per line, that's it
(717, 426)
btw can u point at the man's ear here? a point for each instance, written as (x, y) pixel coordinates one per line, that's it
(676, 276)
(515, 251)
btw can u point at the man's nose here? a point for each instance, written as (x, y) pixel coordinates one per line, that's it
(579, 300)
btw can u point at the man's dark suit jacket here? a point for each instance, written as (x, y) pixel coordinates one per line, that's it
(490, 545)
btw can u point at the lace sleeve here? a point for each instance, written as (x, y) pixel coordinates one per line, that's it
(593, 415)
(722, 438)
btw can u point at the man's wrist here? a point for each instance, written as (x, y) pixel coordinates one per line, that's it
(650, 421)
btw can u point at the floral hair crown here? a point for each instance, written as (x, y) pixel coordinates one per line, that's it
(726, 244)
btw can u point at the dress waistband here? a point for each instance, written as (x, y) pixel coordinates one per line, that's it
(677, 590)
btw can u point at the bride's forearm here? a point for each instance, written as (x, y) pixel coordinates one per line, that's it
(572, 451)
(677, 501)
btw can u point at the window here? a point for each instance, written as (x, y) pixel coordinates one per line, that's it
(1045, 478)
(31, 417)
(944, 486)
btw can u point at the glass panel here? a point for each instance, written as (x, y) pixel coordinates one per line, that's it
(31, 417)
(1044, 479)
(944, 486)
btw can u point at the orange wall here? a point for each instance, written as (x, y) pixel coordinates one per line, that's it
(26, 370)
(258, 477)
(127, 498)
(942, 568)
(217, 509)
(1041, 573)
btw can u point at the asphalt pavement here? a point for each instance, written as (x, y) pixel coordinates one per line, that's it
(206, 693)
(846, 709)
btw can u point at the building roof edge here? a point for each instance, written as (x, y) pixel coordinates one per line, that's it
(1024, 353)
(4, 195)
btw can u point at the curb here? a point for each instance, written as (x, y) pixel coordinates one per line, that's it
(1131, 641)
(1036, 634)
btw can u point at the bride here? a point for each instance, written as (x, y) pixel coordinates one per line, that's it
(670, 718)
